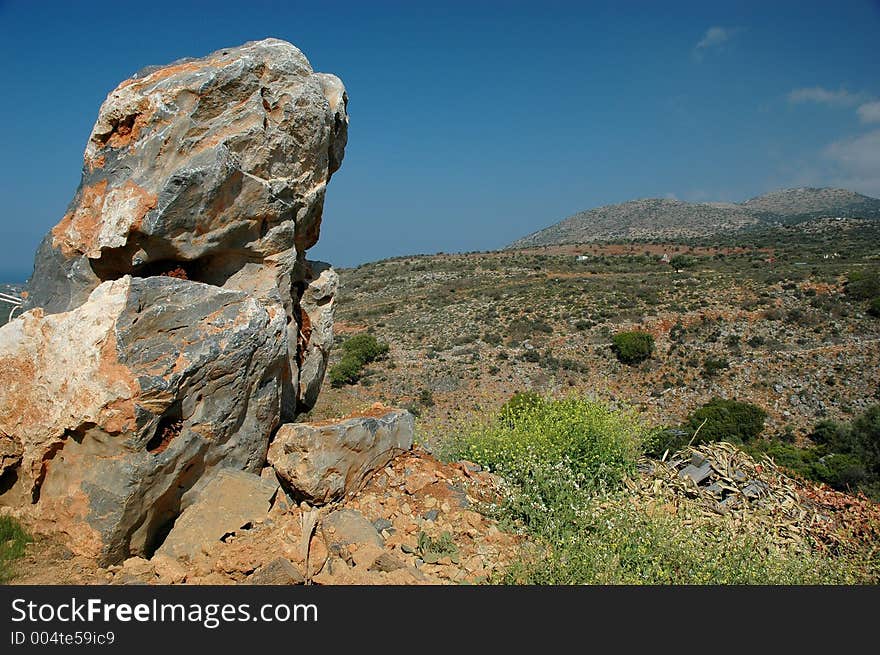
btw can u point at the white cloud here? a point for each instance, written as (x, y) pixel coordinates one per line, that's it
(858, 162)
(870, 112)
(823, 96)
(714, 36)
(713, 39)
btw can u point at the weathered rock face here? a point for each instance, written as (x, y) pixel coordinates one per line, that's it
(206, 165)
(213, 170)
(123, 403)
(173, 320)
(316, 334)
(324, 462)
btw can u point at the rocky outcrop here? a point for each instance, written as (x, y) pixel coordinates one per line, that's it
(173, 320)
(213, 170)
(324, 461)
(122, 403)
(206, 165)
(316, 336)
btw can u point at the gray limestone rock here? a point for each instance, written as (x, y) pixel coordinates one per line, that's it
(321, 462)
(140, 391)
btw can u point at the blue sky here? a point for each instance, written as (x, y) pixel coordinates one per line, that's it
(474, 123)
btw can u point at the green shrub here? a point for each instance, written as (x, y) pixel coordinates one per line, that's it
(633, 347)
(433, 550)
(426, 398)
(726, 420)
(863, 285)
(800, 461)
(874, 307)
(357, 352)
(13, 540)
(850, 453)
(682, 261)
(842, 471)
(519, 404)
(531, 356)
(347, 371)
(365, 347)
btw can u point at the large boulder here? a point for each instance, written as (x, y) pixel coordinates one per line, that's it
(324, 461)
(173, 321)
(124, 402)
(206, 165)
(213, 170)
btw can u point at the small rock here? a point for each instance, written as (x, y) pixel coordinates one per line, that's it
(386, 562)
(138, 567)
(418, 481)
(382, 524)
(348, 526)
(228, 501)
(168, 570)
(279, 571)
(406, 548)
(470, 466)
(431, 515)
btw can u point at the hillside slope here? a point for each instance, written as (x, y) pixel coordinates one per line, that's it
(809, 202)
(656, 218)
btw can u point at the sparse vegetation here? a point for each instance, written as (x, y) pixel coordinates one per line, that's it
(432, 550)
(565, 490)
(13, 541)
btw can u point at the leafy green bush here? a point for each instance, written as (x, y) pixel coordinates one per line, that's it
(682, 261)
(347, 371)
(849, 454)
(357, 352)
(13, 540)
(365, 347)
(874, 307)
(800, 461)
(863, 285)
(433, 550)
(633, 347)
(426, 398)
(726, 420)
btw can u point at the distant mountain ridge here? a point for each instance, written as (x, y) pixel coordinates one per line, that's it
(660, 218)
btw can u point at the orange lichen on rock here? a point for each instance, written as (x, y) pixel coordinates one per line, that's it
(82, 223)
(80, 231)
